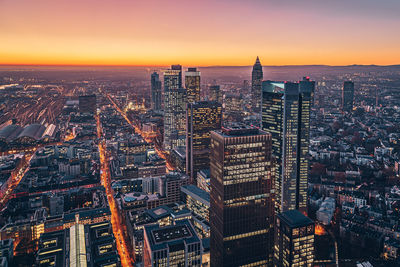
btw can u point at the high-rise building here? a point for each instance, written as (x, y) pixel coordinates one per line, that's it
(256, 86)
(286, 115)
(241, 199)
(87, 104)
(348, 96)
(175, 99)
(306, 82)
(294, 240)
(173, 77)
(306, 95)
(192, 85)
(202, 118)
(215, 93)
(155, 91)
(173, 245)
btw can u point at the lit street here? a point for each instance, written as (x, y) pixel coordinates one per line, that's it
(15, 178)
(159, 150)
(116, 219)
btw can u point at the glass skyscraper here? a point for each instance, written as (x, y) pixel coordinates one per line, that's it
(155, 91)
(348, 96)
(286, 115)
(241, 201)
(202, 118)
(256, 86)
(192, 85)
(175, 99)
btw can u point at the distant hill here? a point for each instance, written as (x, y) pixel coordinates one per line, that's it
(224, 73)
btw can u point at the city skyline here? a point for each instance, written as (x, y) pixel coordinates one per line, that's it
(159, 33)
(152, 133)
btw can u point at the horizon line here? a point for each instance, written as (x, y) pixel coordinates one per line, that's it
(199, 66)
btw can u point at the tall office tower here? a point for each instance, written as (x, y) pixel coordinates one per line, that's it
(174, 108)
(87, 104)
(256, 86)
(192, 84)
(294, 240)
(201, 118)
(348, 96)
(286, 115)
(241, 200)
(155, 91)
(215, 93)
(173, 77)
(306, 82)
(174, 245)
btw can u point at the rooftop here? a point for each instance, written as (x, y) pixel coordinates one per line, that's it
(171, 233)
(174, 235)
(295, 218)
(197, 193)
(238, 129)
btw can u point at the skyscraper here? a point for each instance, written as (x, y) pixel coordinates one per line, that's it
(286, 115)
(201, 118)
(348, 96)
(174, 108)
(173, 77)
(155, 91)
(306, 94)
(215, 93)
(192, 84)
(241, 211)
(256, 86)
(294, 240)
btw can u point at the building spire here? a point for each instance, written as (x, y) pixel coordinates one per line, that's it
(258, 61)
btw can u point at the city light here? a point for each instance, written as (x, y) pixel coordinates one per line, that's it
(161, 153)
(119, 228)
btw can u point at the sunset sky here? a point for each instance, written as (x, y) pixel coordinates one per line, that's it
(202, 32)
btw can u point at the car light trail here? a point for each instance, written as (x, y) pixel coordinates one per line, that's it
(118, 227)
(16, 176)
(161, 153)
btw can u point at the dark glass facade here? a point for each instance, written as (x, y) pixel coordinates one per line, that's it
(241, 201)
(155, 91)
(348, 96)
(175, 99)
(286, 115)
(192, 85)
(202, 118)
